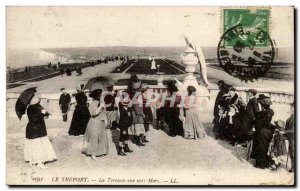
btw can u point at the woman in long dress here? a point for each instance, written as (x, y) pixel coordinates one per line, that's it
(37, 149)
(81, 114)
(263, 135)
(95, 138)
(192, 125)
(173, 111)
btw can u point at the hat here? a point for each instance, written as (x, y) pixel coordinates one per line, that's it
(261, 97)
(221, 82)
(110, 88)
(95, 94)
(253, 91)
(125, 102)
(226, 87)
(134, 78)
(280, 124)
(266, 101)
(172, 88)
(191, 89)
(232, 89)
(144, 87)
(61, 89)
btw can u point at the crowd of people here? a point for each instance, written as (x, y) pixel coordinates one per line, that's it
(132, 112)
(129, 112)
(249, 125)
(68, 70)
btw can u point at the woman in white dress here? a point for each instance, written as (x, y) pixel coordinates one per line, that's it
(37, 148)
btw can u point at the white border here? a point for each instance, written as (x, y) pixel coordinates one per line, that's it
(5, 3)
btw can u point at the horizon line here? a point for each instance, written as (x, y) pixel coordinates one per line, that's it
(113, 47)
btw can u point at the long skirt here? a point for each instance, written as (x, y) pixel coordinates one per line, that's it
(80, 120)
(111, 116)
(261, 142)
(174, 123)
(193, 128)
(95, 138)
(137, 129)
(246, 127)
(38, 150)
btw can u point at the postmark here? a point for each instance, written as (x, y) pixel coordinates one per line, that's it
(246, 50)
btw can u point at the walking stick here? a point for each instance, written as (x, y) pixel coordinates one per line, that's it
(287, 158)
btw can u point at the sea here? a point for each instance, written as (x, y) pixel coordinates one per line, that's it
(19, 58)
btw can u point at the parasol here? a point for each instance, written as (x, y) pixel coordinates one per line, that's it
(101, 82)
(23, 101)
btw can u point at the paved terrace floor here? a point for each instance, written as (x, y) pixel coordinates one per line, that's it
(205, 161)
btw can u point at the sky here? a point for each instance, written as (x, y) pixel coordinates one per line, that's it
(57, 27)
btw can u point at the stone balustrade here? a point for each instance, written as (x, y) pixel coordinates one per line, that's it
(280, 101)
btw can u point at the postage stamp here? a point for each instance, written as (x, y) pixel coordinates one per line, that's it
(246, 50)
(250, 19)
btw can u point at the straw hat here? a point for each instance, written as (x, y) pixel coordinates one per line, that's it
(125, 102)
(280, 124)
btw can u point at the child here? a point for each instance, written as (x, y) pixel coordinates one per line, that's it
(124, 123)
(278, 147)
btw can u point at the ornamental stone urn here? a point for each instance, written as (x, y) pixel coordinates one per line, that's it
(191, 61)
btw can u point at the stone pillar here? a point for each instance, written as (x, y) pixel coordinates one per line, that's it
(190, 60)
(160, 80)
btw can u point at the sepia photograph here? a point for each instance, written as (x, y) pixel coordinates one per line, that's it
(150, 95)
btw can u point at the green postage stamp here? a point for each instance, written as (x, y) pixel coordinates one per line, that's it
(252, 23)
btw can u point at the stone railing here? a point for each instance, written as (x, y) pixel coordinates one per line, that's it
(280, 100)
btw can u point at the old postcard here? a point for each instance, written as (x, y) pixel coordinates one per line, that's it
(150, 96)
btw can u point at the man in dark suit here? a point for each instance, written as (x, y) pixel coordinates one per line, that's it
(124, 123)
(252, 109)
(64, 102)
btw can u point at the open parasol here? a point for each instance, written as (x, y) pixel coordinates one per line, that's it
(101, 82)
(23, 101)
